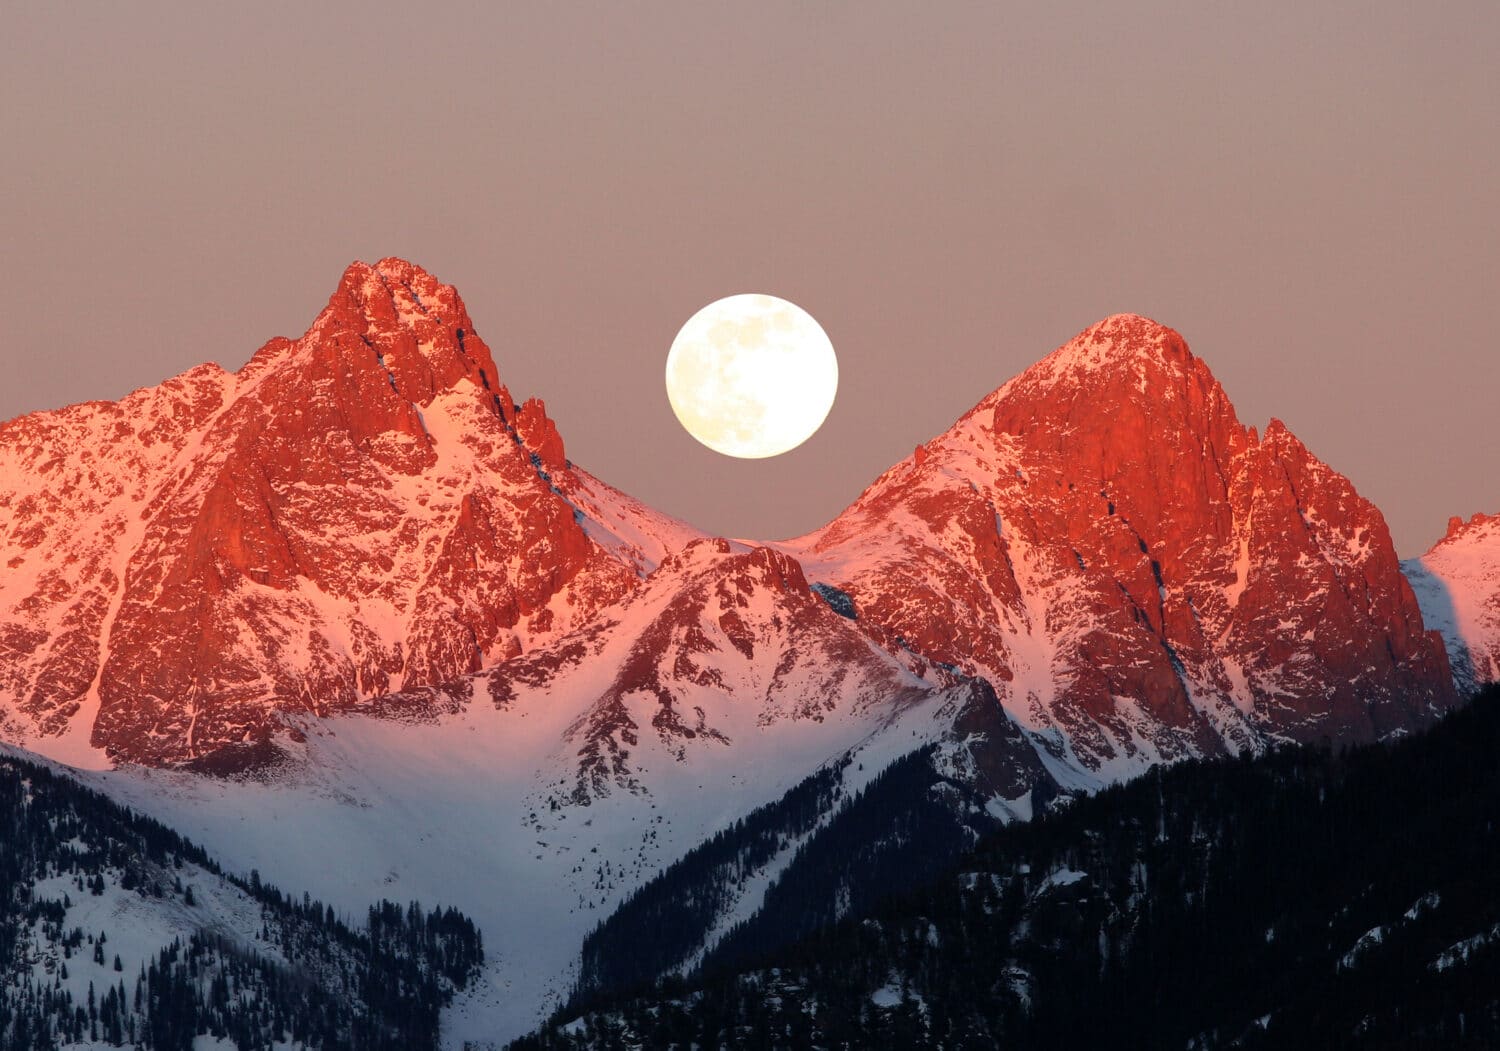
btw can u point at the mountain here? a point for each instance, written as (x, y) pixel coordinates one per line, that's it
(538, 795)
(1305, 898)
(354, 595)
(1458, 585)
(115, 931)
(1140, 576)
(361, 510)
(366, 512)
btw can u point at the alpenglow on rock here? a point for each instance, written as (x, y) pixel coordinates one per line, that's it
(361, 510)
(1139, 575)
(1458, 584)
(366, 512)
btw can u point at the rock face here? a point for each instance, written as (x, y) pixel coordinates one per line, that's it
(1458, 586)
(358, 511)
(1139, 575)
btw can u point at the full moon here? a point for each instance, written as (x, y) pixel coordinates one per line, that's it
(752, 376)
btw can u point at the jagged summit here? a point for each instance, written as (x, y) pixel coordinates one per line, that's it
(399, 317)
(1459, 529)
(417, 328)
(1124, 396)
(1126, 355)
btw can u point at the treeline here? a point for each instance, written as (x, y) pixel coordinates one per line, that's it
(1303, 899)
(305, 976)
(907, 824)
(659, 926)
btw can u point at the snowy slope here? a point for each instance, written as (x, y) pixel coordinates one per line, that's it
(1458, 584)
(536, 796)
(443, 813)
(116, 932)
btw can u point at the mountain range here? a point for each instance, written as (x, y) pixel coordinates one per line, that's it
(355, 598)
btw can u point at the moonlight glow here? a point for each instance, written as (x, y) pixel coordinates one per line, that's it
(752, 376)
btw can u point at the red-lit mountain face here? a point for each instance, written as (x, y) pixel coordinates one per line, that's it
(1138, 574)
(366, 512)
(1458, 585)
(356, 511)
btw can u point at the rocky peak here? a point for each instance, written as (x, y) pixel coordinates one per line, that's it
(1124, 409)
(1478, 523)
(722, 641)
(1123, 353)
(1127, 563)
(415, 328)
(1457, 583)
(360, 510)
(769, 566)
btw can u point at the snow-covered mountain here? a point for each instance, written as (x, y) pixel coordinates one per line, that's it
(420, 653)
(1458, 585)
(538, 795)
(361, 510)
(366, 511)
(1141, 576)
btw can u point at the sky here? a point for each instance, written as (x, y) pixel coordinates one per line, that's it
(1307, 192)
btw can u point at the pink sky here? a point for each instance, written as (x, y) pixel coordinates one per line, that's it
(1307, 192)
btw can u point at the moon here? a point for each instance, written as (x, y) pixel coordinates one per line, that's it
(752, 376)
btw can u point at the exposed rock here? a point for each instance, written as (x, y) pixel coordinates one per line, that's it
(539, 434)
(1140, 575)
(354, 512)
